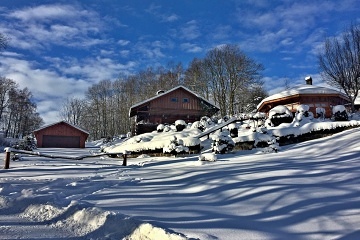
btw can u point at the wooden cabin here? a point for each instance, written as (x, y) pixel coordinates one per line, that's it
(166, 107)
(61, 135)
(308, 94)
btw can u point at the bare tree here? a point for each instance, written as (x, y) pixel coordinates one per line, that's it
(22, 117)
(195, 78)
(6, 85)
(3, 42)
(72, 110)
(339, 62)
(230, 73)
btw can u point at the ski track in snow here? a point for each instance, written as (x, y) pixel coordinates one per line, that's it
(309, 190)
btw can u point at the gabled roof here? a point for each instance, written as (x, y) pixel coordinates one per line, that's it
(72, 125)
(303, 89)
(166, 92)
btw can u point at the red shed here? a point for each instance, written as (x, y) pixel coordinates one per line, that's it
(61, 135)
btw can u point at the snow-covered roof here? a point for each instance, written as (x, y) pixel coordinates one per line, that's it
(302, 89)
(63, 121)
(166, 92)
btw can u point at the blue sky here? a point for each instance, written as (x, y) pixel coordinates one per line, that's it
(60, 48)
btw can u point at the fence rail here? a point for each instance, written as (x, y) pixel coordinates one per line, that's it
(13, 150)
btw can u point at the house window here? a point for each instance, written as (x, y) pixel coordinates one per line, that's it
(185, 100)
(174, 99)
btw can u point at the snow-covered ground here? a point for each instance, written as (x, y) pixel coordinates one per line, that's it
(309, 190)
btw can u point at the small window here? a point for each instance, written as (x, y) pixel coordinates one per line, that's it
(174, 99)
(185, 100)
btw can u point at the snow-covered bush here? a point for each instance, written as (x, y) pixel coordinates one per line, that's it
(27, 144)
(160, 128)
(180, 125)
(273, 146)
(339, 113)
(222, 143)
(211, 157)
(320, 113)
(234, 132)
(204, 123)
(303, 115)
(175, 147)
(279, 114)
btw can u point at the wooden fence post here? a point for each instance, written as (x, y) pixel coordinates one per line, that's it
(7, 158)
(124, 159)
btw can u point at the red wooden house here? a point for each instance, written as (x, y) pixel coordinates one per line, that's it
(308, 94)
(61, 135)
(166, 107)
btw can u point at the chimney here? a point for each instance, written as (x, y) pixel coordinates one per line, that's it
(308, 80)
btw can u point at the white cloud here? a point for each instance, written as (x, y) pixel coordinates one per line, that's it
(68, 77)
(190, 30)
(40, 27)
(171, 18)
(285, 24)
(46, 12)
(123, 42)
(189, 47)
(165, 17)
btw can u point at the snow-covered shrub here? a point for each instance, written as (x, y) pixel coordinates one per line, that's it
(234, 132)
(197, 125)
(180, 125)
(206, 122)
(279, 114)
(273, 146)
(339, 113)
(222, 143)
(320, 113)
(211, 157)
(303, 115)
(160, 128)
(167, 128)
(175, 147)
(27, 144)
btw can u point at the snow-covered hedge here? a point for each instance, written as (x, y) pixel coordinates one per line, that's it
(180, 125)
(339, 113)
(156, 141)
(279, 114)
(222, 142)
(175, 146)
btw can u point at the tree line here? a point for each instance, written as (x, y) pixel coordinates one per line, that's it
(18, 116)
(226, 76)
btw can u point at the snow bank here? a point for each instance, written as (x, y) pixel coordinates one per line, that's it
(311, 127)
(81, 219)
(156, 140)
(211, 157)
(147, 231)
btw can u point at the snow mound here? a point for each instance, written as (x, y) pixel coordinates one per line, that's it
(147, 231)
(4, 202)
(84, 221)
(41, 212)
(211, 157)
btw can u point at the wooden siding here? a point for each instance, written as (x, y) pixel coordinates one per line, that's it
(326, 101)
(165, 110)
(166, 103)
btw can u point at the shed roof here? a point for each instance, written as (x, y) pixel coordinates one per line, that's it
(303, 89)
(131, 113)
(63, 121)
